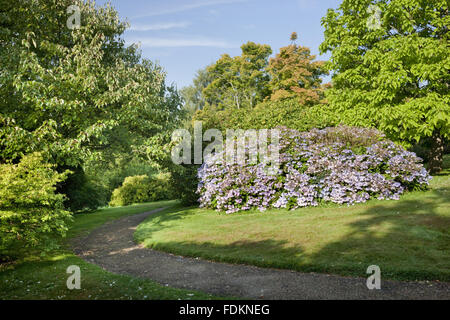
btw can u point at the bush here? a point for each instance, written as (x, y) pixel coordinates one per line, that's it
(139, 189)
(184, 182)
(339, 165)
(110, 176)
(160, 187)
(31, 213)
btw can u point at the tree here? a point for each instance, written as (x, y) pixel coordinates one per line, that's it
(289, 84)
(294, 37)
(295, 74)
(391, 68)
(81, 95)
(193, 95)
(242, 81)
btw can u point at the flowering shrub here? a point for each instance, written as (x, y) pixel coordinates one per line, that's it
(343, 165)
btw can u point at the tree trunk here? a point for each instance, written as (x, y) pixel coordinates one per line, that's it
(436, 153)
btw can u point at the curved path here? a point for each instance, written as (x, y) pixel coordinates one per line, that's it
(111, 246)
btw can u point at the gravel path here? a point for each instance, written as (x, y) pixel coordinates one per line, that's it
(111, 246)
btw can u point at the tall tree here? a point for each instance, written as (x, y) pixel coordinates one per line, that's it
(295, 74)
(391, 62)
(241, 81)
(77, 95)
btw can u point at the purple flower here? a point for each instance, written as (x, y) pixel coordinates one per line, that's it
(342, 165)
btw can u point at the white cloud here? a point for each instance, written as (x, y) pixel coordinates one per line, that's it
(158, 26)
(188, 6)
(307, 4)
(153, 42)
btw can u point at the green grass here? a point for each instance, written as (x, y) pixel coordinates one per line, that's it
(409, 239)
(35, 277)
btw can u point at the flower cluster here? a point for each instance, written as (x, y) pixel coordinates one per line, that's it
(342, 165)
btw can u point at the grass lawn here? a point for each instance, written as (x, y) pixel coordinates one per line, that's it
(409, 239)
(45, 278)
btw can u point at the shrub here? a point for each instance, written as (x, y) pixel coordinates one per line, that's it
(31, 213)
(160, 188)
(339, 165)
(109, 176)
(138, 189)
(184, 182)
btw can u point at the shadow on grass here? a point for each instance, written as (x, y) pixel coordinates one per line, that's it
(161, 221)
(409, 239)
(414, 242)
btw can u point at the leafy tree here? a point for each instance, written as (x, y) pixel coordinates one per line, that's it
(295, 74)
(193, 95)
(291, 75)
(242, 81)
(31, 212)
(265, 115)
(79, 95)
(392, 74)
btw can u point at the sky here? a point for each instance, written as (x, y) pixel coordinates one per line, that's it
(184, 36)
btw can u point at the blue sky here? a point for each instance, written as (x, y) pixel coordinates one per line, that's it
(187, 35)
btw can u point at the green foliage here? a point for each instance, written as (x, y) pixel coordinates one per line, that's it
(81, 191)
(139, 189)
(193, 95)
(133, 190)
(31, 212)
(251, 91)
(106, 177)
(241, 81)
(78, 96)
(395, 77)
(184, 182)
(287, 112)
(45, 277)
(266, 115)
(160, 188)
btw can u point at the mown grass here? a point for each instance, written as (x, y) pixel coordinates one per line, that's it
(409, 239)
(35, 277)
